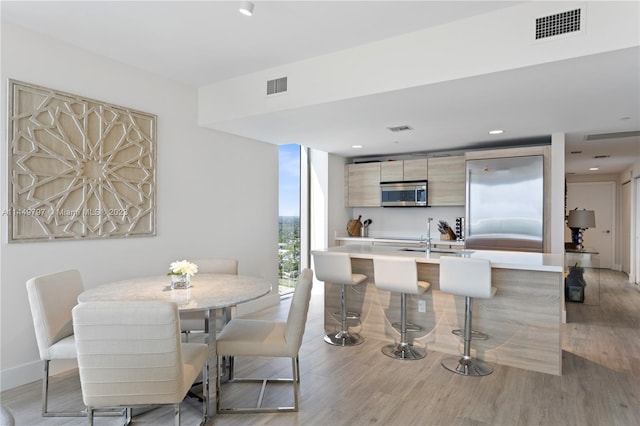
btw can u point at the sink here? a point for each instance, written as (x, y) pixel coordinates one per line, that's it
(437, 250)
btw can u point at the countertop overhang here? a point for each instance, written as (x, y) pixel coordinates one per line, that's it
(499, 259)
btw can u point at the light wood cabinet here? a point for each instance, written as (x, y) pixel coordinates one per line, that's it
(416, 169)
(446, 176)
(363, 185)
(391, 171)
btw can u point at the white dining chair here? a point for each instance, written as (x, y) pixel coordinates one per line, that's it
(6, 417)
(258, 338)
(130, 354)
(194, 321)
(51, 299)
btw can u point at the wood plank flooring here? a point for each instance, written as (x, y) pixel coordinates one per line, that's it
(600, 385)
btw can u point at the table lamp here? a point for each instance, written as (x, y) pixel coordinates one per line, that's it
(578, 221)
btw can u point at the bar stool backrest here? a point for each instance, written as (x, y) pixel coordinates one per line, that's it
(396, 274)
(465, 276)
(332, 267)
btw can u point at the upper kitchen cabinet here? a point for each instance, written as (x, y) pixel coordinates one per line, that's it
(446, 176)
(403, 170)
(416, 169)
(363, 185)
(392, 171)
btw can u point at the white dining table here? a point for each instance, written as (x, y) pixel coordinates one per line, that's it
(207, 293)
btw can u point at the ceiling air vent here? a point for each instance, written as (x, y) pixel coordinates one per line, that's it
(400, 128)
(277, 85)
(616, 135)
(560, 23)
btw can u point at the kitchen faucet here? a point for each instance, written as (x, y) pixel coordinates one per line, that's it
(428, 245)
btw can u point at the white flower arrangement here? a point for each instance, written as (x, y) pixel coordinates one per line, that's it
(183, 267)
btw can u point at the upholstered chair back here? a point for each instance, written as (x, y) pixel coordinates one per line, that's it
(298, 310)
(51, 299)
(130, 353)
(217, 266)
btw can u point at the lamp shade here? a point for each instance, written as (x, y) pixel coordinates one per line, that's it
(582, 219)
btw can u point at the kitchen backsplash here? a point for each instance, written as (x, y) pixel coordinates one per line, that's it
(406, 222)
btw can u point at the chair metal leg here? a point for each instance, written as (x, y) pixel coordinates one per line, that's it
(466, 365)
(45, 398)
(403, 350)
(176, 414)
(343, 337)
(295, 381)
(295, 366)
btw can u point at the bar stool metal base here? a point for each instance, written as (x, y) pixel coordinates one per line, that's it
(343, 338)
(466, 366)
(404, 351)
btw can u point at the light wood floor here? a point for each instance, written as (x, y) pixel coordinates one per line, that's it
(358, 385)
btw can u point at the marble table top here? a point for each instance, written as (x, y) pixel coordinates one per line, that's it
(207, 291)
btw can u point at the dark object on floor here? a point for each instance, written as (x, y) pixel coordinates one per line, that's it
(574, 284)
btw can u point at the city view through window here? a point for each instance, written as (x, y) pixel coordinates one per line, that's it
(289, 217)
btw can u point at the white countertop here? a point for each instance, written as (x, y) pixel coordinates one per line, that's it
(399, 240)
(499, 259)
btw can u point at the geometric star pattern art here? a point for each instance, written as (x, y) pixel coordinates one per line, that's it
(78, 168)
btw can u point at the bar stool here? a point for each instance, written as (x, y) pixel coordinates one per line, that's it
(336, 268)
(469, 278)
(400, 275)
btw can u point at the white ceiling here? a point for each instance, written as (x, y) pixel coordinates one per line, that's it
(202, 42)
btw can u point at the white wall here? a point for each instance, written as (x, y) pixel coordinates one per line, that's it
(405, 222)
(328, 212)
(556, 197)
(217, 194)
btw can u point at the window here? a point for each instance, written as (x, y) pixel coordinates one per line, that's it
(289, 217)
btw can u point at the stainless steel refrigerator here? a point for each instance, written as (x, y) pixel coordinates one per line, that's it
(505, 204)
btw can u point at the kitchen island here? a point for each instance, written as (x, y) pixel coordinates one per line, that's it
(523, 320)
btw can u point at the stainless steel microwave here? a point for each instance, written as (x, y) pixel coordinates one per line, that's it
(403, 194)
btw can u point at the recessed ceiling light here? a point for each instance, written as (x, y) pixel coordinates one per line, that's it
(356, 146)
(594, 168)
(496, 132)
(246, 8)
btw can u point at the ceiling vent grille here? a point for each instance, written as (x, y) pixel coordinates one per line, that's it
(616, 135)
(560, 23)
(400, 128)
(277, 85)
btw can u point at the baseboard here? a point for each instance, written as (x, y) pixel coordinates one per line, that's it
(616, 267)
(27, 373)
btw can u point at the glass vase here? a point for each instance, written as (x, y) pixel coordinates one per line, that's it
(180, 281)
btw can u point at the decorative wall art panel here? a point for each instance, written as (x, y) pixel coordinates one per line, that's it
(78, 168)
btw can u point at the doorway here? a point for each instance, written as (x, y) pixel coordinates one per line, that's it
(599, 197)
